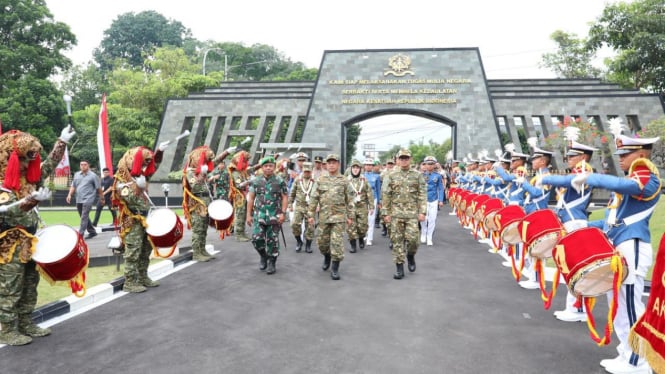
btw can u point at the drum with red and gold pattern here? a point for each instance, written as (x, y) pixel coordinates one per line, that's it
(487, 211)
(540, 231)
(472, 208)
(584, 258)
(506, 220)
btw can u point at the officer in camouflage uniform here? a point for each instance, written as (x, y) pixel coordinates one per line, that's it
(197, 197)
(363, 201)
(21, 191)
(390, 165)
(219, 180)
(404, 196)
(266, 207)
(298, 203)
(239, 180)
(334, 197)
(131, 181)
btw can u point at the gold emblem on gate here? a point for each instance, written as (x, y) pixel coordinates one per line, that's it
(399, 66)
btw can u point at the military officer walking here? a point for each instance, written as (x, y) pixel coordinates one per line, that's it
(363, 202)
(404, 196)
(301, 190)
(266, 207)
(334, 197)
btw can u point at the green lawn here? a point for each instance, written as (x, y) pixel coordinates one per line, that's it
(71, 217)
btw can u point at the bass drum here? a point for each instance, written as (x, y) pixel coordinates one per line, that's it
(164, 228)
(61, 252)
(220, 213)
(541, 230)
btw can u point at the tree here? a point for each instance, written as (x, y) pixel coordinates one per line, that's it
(85, 83)
(352, 134)
(656, 129)
(32, 42)
(572, 59)
(135, 37)
(636, 31)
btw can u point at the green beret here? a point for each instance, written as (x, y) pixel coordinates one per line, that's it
(267, 160)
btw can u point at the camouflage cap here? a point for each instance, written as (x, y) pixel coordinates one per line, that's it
(332, 156)
(318, 159)
(355, 163)
(307, 166)
(404, 152)
(390, 161)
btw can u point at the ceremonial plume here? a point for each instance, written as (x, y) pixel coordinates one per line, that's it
(533, 142)
(449, 155)
(616, 127)
(482, 154)
(571, 133)
(510, 147)
(498, 153)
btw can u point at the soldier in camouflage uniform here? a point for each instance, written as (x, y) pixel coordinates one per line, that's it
(404, 196)
(219, 180)
(363, 201)
(197, 197)
(21, 191)
(131, 181)
(390, 164)
(334, 197)
(266, 207)
(298, 203)
(239, 180)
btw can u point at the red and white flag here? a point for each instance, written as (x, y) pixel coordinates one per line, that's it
(103, 139)
(62, 170)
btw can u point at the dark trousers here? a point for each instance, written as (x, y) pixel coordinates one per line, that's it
(84, 213)
(98, 213)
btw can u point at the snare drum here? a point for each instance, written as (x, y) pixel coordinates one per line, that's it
(487, 211)
(541, 230)
(584, 259)
(466, 200)
(60, 253)
(164, 228)
(221, 214)
(506, 220)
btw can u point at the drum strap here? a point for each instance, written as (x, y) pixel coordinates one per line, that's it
(636, 217)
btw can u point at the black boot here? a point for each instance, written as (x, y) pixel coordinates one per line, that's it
(271, 265)
(334, 272)
(384, 232)
(411, 259)
(298, 244)
(326, 262)
(361, 243)
(308, 246)
(263, 262)
(399, 272)
(353, 245)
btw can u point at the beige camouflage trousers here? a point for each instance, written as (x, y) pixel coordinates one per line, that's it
(403, 232)
(330, 240)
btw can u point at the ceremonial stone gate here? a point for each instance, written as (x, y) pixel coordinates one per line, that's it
(447, 85)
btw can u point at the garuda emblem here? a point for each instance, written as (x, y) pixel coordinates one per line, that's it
(399, 66)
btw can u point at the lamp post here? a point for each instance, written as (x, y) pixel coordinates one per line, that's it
(205, 56)
(226, 67)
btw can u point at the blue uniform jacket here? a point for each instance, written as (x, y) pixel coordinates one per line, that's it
(374, 181)
(577, 204)
(434, 182)
(538, 197)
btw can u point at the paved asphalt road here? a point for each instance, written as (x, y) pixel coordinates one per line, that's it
(460, 312)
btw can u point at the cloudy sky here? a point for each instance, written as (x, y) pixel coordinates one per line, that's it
(512, 35)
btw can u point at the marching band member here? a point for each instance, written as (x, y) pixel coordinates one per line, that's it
(22, 176)
(131, 182)
(571, 207)
(627, 226)
(536, 199)
(435, 191)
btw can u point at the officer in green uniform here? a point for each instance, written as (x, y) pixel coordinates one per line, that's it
(404, 196)
(363, 201)
(298, 203)
(21, 191)
(334, 197)
(266, 208)
(219, 180)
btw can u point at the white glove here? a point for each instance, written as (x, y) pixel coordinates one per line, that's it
(67, 133)
(519, 180)
(578, 182)
(230, 149)
(141, 182)
(42, 194)
(163, 145)
(204, 169)
(4, 208)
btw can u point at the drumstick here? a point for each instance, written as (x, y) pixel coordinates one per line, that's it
(184, 134)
